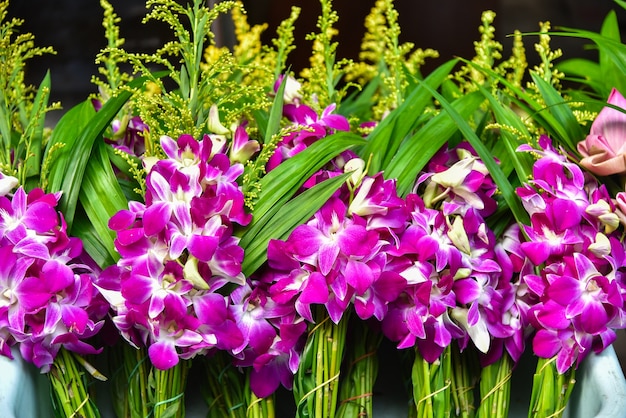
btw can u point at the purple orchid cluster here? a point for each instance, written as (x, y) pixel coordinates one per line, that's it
(177, 251)
(269, 309)
(430, 273)
(335, 260)
(459, 277)
(308, 126)
(573, 260)
(47, 296)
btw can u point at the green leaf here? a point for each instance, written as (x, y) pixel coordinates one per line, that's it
(295, 212)
(66, 131)
(276, 112)
(92, 243)
(36, 124)
(538, 111)
(585, 72)
(417, 151)
(386, 138)
(610, 74)
(504, 186)
(78, 148)
(280, 184)
(521, 162)
(360, 101)
(611, 51)
(565, 123)
(101, 197)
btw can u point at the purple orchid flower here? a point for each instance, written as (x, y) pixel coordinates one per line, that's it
(47, 296)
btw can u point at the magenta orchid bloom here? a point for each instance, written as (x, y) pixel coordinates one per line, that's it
(176, 251)
(604, 149)
(47, 296)
(313, 128)
(574, 256)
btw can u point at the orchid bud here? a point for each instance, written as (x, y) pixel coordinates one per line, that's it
(7, 183)
(602, 246)
(458, 236)
(191, 273)
(214, 124)
(357, 166)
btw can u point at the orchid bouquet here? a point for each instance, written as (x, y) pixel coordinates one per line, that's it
(211, 215)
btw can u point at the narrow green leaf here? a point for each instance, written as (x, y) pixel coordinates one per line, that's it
(295, 212)
(66, 132)
(565, 123)
(92, 243)
(276, 112)
(386, 138)
(505, 187)
(262, 119)
(79, 148)
(82, 150)
(583, 71)
(538, 111)
(280, 184)
(36, 122)
(613, 49)
(522, 162)
(415, 153)
(101, 197)
(360, 101)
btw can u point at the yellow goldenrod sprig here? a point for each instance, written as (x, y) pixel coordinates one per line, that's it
(255, 170)
(113, 77)
(22, 114)
(325, 72)
(383, 56)
(284, 41)
(546, 68)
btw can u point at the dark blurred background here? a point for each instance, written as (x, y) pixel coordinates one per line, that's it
(74, 29)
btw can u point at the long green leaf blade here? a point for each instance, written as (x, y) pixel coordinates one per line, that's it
(280, 184)
(521, 162)
(82, 150)
(65, 133)
(566, 125)
(415, 153)
(505, 187)
(36, 125)
(101, 197)
(387, 137)
(297, 211)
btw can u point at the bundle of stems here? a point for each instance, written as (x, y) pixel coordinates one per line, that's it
(69, 387)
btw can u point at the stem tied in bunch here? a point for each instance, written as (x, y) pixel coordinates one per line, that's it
(317, 380)
(432, 385)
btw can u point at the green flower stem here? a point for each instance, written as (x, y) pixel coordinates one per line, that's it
(551, 390)
(432, 385)
(131, 389)
(464, 369)
(495, 388)
(317, 380)
(357, 387)
(260, 407)
(169, 390)
(227, 387)
(68, 382)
